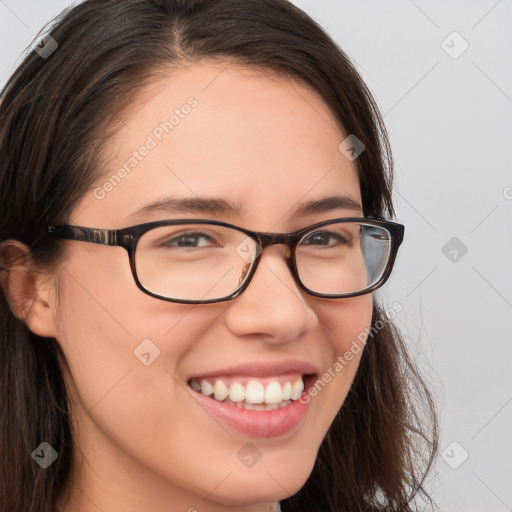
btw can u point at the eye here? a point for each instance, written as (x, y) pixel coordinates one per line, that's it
(379, 236)
(191, 239)
(376, 233)
(322, 238)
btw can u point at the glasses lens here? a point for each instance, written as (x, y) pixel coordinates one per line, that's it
(343, 257)
(206, 261)
(194, 261)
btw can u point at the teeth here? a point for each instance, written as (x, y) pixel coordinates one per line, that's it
(220, 391)
(287, 391)
(253, 395)
(254, 392)
(236, 392)
(206, 387)
(264, 407)
(297, 389)
(273, 393)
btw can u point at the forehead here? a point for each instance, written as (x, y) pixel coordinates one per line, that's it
(218, 129)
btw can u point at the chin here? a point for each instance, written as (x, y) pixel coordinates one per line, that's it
(263, 486)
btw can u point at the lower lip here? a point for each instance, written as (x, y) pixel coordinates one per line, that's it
(273, 423)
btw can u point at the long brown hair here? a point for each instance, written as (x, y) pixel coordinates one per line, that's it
(56, 116)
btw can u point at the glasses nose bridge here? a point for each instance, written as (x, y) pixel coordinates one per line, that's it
(265, 239)
(268, 239)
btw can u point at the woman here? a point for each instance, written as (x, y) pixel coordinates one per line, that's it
(162, 348)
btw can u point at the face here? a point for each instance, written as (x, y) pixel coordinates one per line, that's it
(271, 144)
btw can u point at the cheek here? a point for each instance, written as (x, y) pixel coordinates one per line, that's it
(103, 322)
(345, 325)
(122, 348)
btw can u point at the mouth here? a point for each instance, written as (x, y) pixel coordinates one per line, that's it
(258, 399)
(253, 393)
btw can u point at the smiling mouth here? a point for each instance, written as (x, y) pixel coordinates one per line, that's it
(253, 393)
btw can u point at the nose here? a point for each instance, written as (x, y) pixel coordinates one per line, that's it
(272, 306)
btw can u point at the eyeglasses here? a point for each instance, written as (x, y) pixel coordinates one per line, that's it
(195, 261)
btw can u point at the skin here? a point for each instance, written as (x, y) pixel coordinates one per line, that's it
(271, 143)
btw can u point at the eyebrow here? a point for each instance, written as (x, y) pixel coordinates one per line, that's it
(205, 205)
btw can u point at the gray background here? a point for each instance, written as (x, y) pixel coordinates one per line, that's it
(449, 119)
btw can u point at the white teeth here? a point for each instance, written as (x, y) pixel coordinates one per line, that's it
(220, 391)
(273, 393)
(206, 388)
(287, 391)
(264, 407)
(297, 389)
(254, 392)
(236, 392)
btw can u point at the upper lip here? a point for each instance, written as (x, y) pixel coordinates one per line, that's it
(262, 369)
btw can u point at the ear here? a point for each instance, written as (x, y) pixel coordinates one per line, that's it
(30, 291)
